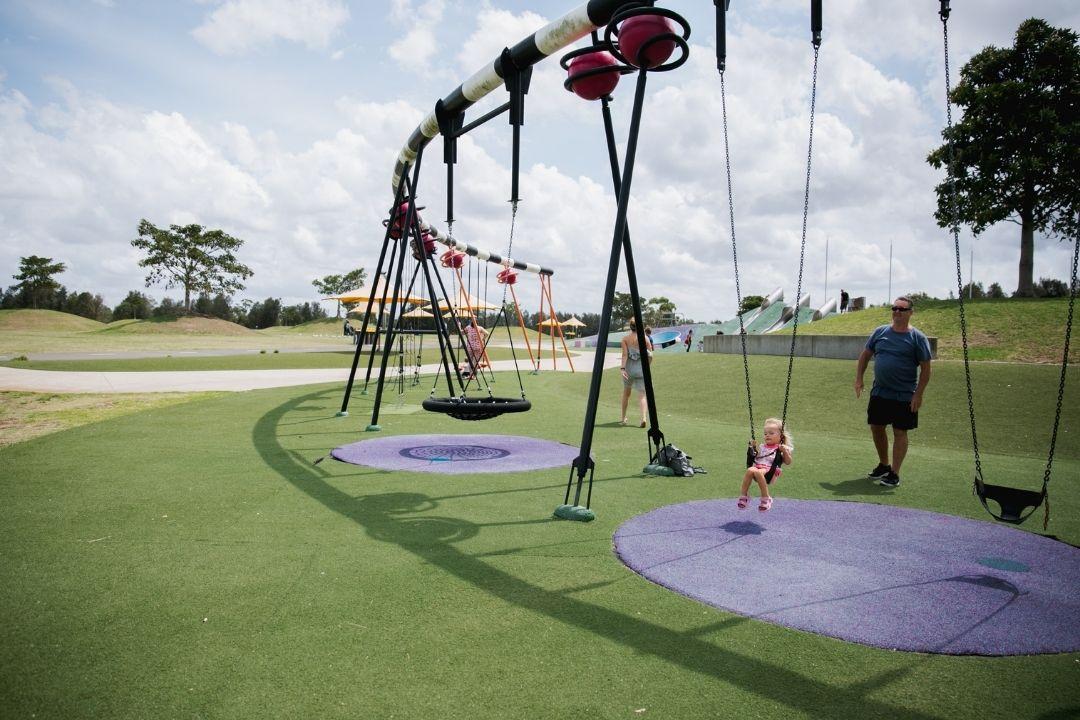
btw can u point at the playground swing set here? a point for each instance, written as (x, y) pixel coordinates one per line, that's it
(640, 38)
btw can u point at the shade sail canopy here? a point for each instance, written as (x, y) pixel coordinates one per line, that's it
(573, 322)
(362, 295)
(463, 301)
(417, 313)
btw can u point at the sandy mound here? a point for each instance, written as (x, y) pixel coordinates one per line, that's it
(45, 321)
(181, 326)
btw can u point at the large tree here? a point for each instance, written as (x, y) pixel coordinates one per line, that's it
(191, 257)
(36, 278)
(337, 284)
(1015, 154)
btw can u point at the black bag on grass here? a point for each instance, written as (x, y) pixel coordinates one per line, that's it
(672, 457)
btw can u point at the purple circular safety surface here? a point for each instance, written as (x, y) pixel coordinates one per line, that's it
(878, 575)
(456, 454)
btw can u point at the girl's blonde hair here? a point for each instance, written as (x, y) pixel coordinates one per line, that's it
(785, 433)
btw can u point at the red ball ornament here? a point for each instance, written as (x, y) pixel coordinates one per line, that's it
(636, 31)
(593, 87)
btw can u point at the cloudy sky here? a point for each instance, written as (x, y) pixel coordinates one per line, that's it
(279, 121)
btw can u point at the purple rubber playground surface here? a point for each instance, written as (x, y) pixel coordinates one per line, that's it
(878, 575)
(456, 454)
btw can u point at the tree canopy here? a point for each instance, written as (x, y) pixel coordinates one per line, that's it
(337, 284)
(36, 277)
(188, 256)
(1015, 154)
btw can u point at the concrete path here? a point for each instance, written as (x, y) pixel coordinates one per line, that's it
(224, 380)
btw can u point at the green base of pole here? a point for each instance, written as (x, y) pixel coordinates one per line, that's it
(364, 391)
(574, 512)
(373, 428)
(661, 470)
(342, 413)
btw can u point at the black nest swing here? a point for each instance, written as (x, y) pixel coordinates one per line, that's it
(476, 408)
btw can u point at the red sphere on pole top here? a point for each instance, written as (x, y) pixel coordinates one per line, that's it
(594, 85)
(635, 31)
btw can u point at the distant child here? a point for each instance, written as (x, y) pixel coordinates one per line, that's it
(776, 440)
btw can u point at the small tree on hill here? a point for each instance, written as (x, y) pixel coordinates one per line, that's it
(337, 284)
(135, 306)
(36, 284)
(749, 302)
(190, 257)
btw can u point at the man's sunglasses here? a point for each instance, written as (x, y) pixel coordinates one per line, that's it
(896, 308)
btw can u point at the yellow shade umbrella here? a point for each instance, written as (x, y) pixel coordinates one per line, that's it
(359, 295)
(463, 301)
(573, 322)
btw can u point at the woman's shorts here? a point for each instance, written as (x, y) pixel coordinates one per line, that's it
(897, 413)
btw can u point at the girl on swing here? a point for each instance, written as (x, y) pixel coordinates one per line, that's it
(767, 460)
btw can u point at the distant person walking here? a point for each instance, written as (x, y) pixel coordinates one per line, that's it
(843, 301)
(901, 355)
(689, 341)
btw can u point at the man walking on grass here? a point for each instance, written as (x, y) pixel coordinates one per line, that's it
(901, 356)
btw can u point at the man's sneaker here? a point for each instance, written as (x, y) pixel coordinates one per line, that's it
(890, 480)
(879, 472)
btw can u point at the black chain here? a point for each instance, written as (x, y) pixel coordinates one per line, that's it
(1064, 362)
(955, 226)
(502, 305)
(735, 258)
(802, 249)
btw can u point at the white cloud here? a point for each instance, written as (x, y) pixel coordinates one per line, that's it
(415, 49)
(238, 26)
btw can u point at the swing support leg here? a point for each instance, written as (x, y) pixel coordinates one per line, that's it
(583, 464)
(367, 311)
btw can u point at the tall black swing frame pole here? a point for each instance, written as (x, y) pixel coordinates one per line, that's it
(367, 311)
(410, 220)
(583, 464)
(656, 437)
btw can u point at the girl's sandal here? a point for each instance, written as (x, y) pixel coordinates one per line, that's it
(766, 503)
(743, 500)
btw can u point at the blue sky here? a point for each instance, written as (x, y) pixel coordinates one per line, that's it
(279, 122)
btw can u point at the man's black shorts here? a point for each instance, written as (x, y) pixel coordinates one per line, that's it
(891, 412)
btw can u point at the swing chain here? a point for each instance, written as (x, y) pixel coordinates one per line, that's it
(735, 256)
(955, 223)
(802, 248)
(1064, 360)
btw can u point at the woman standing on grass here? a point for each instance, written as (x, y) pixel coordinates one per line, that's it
(633, 375)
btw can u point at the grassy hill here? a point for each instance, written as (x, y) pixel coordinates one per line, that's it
(25, 320)
(177, 326)
(324, 326)
(1011, 329)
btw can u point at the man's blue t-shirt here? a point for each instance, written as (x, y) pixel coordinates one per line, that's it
(896, 361)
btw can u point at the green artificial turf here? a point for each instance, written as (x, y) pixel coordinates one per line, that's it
(269, 360)
(193, 561)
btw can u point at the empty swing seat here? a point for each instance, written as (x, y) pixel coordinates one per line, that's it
(484, 408)
(1015, 504)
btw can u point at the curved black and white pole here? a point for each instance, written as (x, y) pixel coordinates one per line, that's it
(546, 41)
(486, 255)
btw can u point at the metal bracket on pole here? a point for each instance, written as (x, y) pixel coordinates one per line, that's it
(516, 81)
(449, 128)
(815, 21)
